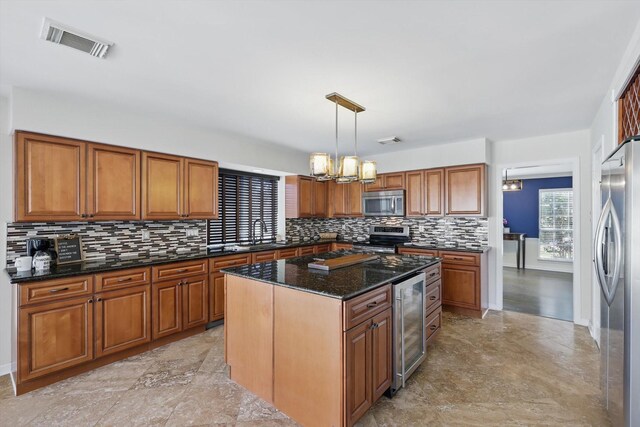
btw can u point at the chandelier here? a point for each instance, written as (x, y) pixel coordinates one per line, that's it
(511, 184)
(348, 168)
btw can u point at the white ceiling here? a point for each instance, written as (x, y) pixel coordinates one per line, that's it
(546, 171)
(428, 72)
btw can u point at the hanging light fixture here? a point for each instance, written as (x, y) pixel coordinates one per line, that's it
(511, 184)
(348, 168)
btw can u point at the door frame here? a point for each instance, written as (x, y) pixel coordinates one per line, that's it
(498, 284)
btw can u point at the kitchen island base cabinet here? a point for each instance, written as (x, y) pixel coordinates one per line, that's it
(292, 349)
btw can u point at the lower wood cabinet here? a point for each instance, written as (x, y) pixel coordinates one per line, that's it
(179, 304)
(461, 285)
(54, 336)
(216, 296)
(122, 319)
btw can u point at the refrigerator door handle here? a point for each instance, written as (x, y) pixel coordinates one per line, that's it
(599, 249)
(619, 256)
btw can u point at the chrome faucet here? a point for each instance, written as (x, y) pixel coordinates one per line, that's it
(263, 230)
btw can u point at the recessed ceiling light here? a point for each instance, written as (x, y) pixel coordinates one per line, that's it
(389, 140)
(58, 33)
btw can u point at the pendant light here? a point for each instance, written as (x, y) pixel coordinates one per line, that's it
(511, 184)
(348, 168)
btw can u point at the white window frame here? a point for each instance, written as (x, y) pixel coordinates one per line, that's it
(572, 229)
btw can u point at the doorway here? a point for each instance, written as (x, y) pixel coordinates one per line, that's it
(538, 255)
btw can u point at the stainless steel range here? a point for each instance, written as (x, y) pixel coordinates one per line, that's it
(383, 239)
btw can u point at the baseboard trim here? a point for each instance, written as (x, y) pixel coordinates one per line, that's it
(5, 369)
(582, 322)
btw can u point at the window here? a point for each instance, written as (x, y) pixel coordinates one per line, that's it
(556, 224)
(243, 198)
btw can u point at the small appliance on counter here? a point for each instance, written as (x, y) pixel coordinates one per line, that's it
(42, 251)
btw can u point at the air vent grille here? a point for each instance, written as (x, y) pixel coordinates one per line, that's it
(61, 34)
(389, 140)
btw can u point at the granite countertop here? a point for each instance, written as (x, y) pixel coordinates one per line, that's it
(111, 264)
(437, 247)
(343, 283)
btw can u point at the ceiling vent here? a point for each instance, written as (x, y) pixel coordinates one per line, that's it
(389, 140)
(58, 33)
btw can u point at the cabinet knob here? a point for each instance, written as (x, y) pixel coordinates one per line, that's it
(90, 301)
(433, 327)
(98, 299)
(83, 215)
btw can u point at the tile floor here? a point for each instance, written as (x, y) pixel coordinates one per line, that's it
(508, 369)
(543, 293)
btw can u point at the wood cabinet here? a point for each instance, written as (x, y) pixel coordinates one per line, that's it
(341, 246)
(425, 192)
(195, 302)
(216, 282)
(387, 181)
(320, 249)
(54, 336)
(305, 197)
(466, 190)
(113, 183)
(263, 256)
(463, 279)
(415, 193)
(381, 353)
(50, 178)
(166, 307)
(306, 250)
(122, 319)
(174, 187)
(345, 200)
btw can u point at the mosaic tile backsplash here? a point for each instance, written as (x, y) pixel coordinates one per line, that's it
(467, 232)
(113, 238)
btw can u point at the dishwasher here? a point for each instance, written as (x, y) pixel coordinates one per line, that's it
(409, 338)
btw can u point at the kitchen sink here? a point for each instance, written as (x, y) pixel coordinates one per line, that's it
(259, 246)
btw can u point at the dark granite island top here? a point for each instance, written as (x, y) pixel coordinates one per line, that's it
(343, 283)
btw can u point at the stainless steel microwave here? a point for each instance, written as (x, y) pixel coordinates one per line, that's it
(383, 203)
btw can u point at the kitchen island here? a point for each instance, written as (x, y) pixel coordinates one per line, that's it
(315, 344)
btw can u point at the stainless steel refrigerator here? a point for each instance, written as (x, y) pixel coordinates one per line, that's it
(617, 265)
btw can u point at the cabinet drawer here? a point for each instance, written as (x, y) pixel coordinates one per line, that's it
(323, 248)
(433, 273)
(264, 256)
(339, 246)
(305, 250)
(180, 269)
(287, 253)
(433, 324)
(360, 308)
(413, 251)
(123, 279)
(52, 290)
(460, 257)
(433, 296)
(217, 264)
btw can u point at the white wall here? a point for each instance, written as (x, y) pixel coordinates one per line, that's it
(570, 147)
(532, 261)
(433, 156)
(6, 214)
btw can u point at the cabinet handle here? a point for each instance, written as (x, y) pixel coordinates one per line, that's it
(458, 258)
(433, 327)
(433, 274)
(183, 270)
(53, 291)
(433, 298)
(125, 279)
(372, 304)
(374, 326)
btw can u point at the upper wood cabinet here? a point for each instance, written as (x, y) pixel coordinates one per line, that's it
(305, 197)
(466, 190)
(175, 187)
(113, 182)
(387, 181)
(345, 200)
(415, 193)
(50, 178)
(434, 192)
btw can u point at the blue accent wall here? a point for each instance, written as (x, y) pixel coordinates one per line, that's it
(521, 207)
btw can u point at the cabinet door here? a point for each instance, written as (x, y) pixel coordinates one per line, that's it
(358, 361)
(434, 192)
(415, 193)
(355, 199)
(466, 190)
(216, 296)
(166, 306)
(123, 319)
(394, 181)
(461, 286)
(50, 178)
(161, 186)
(113, 183)
(305, 197)
(338, 194)
(54, 336)
(200, 189)
(320, 199)
(195, 302)
(381, 343)
(378, 185)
